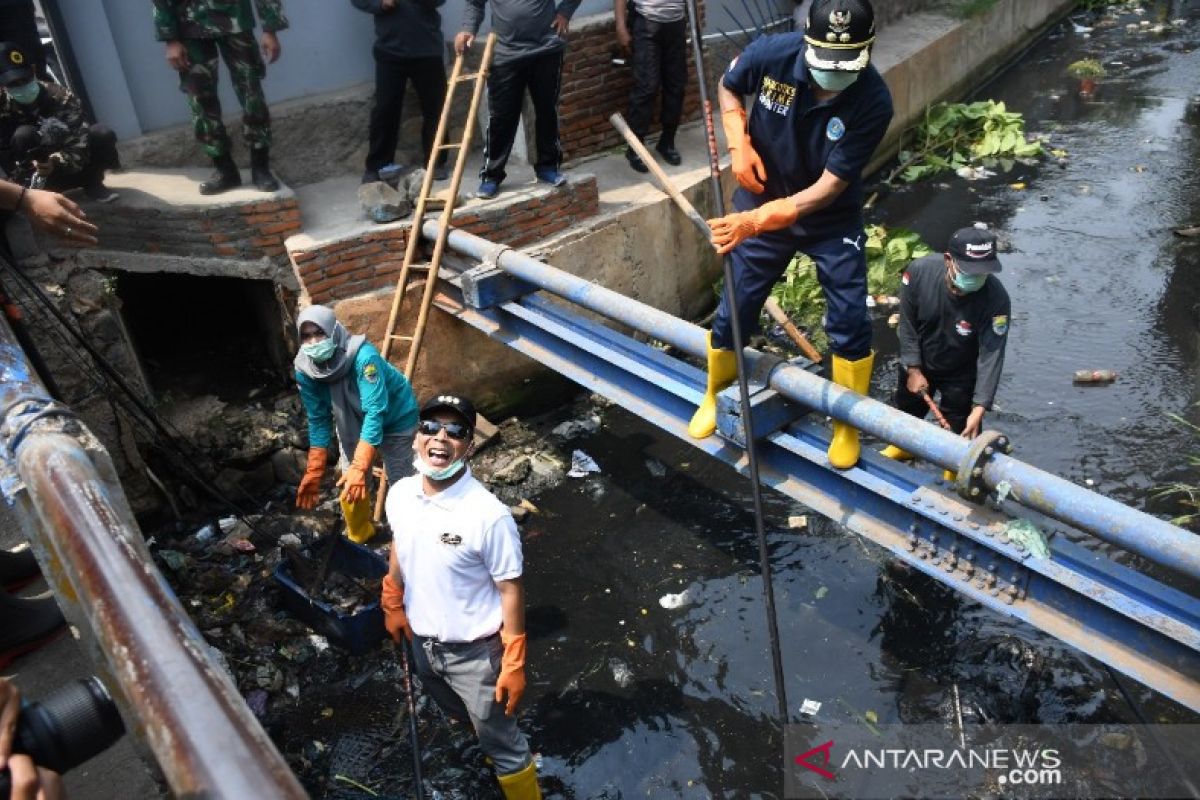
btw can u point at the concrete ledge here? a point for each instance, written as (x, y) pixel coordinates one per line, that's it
(341, 254)
(163, 213)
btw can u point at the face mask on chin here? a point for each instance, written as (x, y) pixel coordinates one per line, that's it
(968, 283)
(24, 93)
(448, 471)
(833, 80)
(320, 351)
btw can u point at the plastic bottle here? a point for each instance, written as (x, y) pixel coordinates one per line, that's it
(1095, 376)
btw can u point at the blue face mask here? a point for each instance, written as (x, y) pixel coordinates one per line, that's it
(968, 283)
(833, 80)
(25, 93)
(448, 471)
(319, 351)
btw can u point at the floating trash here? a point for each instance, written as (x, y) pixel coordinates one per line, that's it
(674, 600)
(1094, 376)
(810, 707)
(581, 465)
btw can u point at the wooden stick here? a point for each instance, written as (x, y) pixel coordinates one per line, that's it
(937, 412)
(664, 183)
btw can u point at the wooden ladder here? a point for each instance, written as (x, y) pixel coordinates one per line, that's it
(410, 266)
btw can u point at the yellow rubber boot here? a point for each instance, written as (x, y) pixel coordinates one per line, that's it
(896, 453)
(359, 528)
(856, 375)
(722, 371)
(520, 785)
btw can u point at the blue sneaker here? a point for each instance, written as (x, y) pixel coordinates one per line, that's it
(487, 189)
(551, 176)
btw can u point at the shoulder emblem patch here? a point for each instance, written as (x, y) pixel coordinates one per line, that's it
(1000, 324)
(836, 129)
(904, 278)
(371, 373)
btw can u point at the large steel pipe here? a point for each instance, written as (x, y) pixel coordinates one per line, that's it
(204, 738)
(1106, 519)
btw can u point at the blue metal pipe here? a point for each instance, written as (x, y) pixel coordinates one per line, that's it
(1106, 519)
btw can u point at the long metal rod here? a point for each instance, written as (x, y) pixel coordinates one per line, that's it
(184, 706)
(764, 555)
(1106, 519)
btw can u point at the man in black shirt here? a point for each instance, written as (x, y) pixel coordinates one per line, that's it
(954, 318)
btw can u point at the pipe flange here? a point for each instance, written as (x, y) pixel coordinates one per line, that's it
(969, 482)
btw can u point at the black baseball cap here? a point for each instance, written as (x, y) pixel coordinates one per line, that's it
(974, 251)
(452, 402)
(839, 34)
(14, 66)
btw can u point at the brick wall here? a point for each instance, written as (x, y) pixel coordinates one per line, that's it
(240, 231)
(593, 88)
(335, 270)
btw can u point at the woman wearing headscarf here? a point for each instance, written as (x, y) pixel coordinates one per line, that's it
(344, 381)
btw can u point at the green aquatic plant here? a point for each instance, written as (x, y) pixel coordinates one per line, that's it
(1187, 495)
(955, 135)
(1086, 68)
(889, 251)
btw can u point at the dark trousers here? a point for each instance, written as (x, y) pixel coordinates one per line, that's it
(507, 83)
(428, 76)
(659, 59)
(102, 155)
(956, 393)
(759, 263)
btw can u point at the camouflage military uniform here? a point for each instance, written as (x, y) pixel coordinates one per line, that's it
(208, 28)
(54, 129)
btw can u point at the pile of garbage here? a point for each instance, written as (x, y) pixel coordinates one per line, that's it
(339, 719)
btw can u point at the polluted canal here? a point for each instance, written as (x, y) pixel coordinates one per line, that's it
(649, 669)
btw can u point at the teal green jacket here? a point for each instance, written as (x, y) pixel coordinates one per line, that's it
(388, 402)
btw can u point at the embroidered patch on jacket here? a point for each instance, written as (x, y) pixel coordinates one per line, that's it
(1000, 324)
(836, 129)
(371, 373)
(776, 95)
(963, 327)
(904, 278)
(451, 539)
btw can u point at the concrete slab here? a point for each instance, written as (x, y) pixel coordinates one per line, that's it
(178, 188)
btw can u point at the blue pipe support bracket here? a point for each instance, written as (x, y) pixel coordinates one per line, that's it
(1132, 530)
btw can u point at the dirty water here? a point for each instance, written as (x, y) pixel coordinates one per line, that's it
(649, 673)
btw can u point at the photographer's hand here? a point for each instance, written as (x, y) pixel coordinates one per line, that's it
(28, 782)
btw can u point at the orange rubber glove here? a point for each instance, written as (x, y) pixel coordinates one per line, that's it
(511, 680)
(748, 168)
(732, 229)
(309, 491)
(392, 603)
(354, 479)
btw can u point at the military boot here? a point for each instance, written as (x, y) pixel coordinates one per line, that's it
(260, 170)
(224, 177)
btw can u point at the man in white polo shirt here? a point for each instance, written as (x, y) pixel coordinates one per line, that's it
(454, 590)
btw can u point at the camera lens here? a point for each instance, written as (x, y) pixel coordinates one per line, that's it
(76, 722)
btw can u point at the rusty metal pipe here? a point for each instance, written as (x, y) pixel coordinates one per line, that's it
(206, 741)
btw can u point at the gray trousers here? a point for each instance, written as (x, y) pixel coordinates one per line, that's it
(461, 677)
(396, 450)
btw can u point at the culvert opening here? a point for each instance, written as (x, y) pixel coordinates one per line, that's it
(205, 335)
